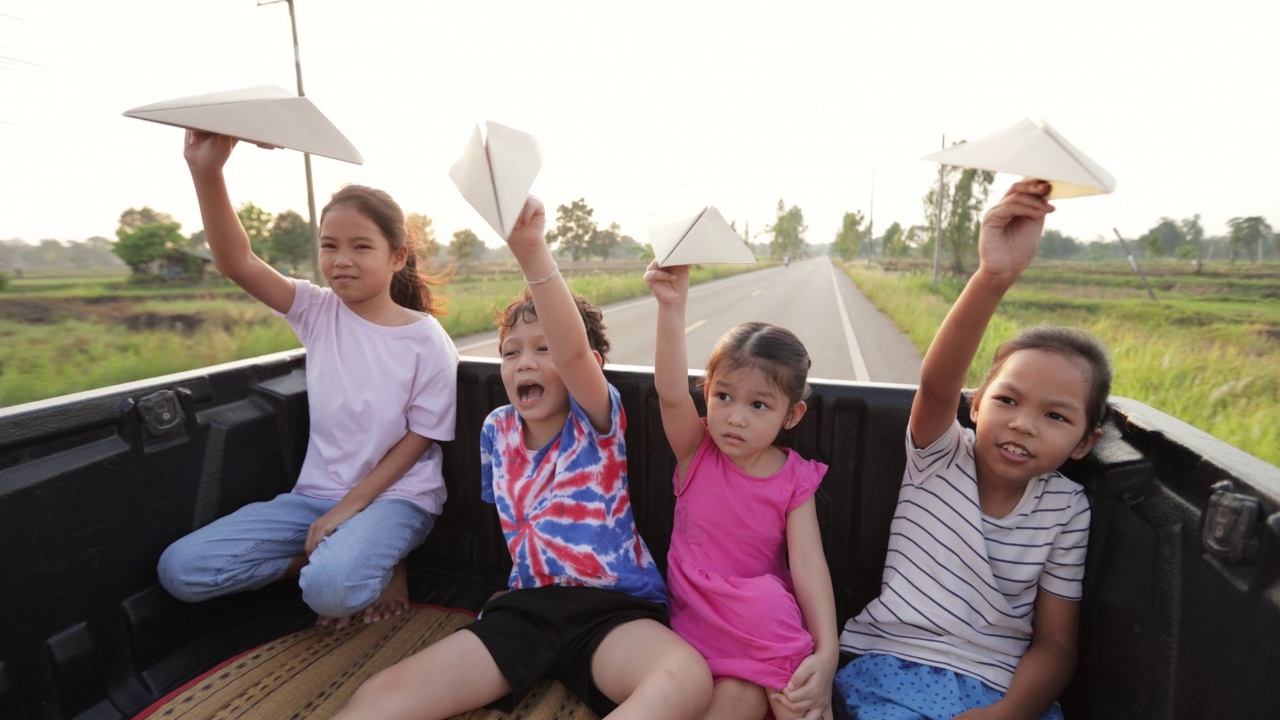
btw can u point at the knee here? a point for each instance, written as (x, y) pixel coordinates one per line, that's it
(175, 570)
(336, 591)
(686, 673)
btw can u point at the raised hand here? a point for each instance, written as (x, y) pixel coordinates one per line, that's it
(1011, 230)
(669, 285)
(206, 151)
(527, 233)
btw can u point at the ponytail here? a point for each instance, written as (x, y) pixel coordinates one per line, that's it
(410, 288)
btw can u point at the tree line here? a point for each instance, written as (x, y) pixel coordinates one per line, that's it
(151, 243)
(962, 194)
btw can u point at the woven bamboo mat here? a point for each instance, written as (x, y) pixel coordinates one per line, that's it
(311, 674)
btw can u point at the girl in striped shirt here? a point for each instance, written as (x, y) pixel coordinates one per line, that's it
(979, 602)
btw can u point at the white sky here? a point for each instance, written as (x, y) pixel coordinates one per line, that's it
(649, 108)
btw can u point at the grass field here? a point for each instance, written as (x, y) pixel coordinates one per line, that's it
(1205, 351)
(66, 335)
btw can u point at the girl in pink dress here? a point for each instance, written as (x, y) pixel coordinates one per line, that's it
(749, 583)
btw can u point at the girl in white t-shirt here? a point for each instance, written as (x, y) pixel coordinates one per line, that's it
(381, 375)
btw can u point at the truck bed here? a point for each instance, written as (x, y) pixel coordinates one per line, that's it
(1180, 617)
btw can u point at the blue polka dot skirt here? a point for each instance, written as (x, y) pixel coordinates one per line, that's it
(884, 687)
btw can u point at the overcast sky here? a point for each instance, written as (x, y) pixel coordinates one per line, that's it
(650, 108)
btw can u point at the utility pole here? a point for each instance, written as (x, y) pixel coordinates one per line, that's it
(937, 223)
(871, 217)
(1133, 263)
(306, 157)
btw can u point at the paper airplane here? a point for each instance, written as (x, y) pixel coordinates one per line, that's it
(265, 115)
(1035, 150)
(495, 173)
(704, 238)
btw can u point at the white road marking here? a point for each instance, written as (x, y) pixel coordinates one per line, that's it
(860, 373)
(474, 345)
(694, 326)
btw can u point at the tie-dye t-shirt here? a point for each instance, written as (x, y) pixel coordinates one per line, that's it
(565, 509)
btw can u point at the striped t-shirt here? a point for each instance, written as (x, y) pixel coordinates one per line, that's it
(959, 587)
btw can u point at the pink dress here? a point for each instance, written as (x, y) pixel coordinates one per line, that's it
(731, 593)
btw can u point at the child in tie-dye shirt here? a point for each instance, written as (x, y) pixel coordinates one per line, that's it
(587, 605)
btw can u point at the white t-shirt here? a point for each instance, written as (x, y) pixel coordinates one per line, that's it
(959, 587)
(367, 385)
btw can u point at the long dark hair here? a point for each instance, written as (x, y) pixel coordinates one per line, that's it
(410, 287)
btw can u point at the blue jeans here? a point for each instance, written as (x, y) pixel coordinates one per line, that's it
(253, 546)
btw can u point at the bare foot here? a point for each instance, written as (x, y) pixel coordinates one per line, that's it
(394, 600)
(337, 623)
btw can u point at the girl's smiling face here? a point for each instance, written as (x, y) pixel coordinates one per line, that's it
(356, 259)
(1032, 417)
(745, 413)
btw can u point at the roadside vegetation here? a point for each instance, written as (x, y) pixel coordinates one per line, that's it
(61, 336)
(1205, 352)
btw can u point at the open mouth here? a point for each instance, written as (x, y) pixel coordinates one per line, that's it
(529, 392)
(1015, 449)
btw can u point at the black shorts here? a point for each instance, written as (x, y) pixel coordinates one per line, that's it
(553, 632)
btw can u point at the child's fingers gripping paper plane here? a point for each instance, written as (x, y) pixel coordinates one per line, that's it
(1034, 150)
(495, 173)
(268, 116)
(701, 239)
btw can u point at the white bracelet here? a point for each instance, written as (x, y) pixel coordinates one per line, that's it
(555, 270)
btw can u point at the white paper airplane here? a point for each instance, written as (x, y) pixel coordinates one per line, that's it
(703, 239)
(265, 115)
(495, 173)
(1034, 150)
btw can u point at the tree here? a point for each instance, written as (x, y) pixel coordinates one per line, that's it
(1247, 233)
(134, 218)
(965, 192)
(1055, 245)
(424, 237)
(1193, 233)
(1163, 239)
(851, 235)
(895, 241)
(788, 231)
(257, 225)
(144, 245)
(291, 238)
(464, 245)
(610, 241)
(574, 229)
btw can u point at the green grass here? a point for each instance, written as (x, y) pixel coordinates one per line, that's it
(1206, 353)
(87, 343)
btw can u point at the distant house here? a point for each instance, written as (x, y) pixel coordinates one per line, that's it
(184, 263)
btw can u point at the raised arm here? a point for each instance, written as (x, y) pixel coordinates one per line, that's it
(680, 421)
(206, 154)
(1007, 245)
(566, 335)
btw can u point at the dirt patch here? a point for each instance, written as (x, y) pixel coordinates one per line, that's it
(100, 311)
(50, 311)
(183, 323)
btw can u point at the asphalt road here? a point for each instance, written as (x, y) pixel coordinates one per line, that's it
(847, 337)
